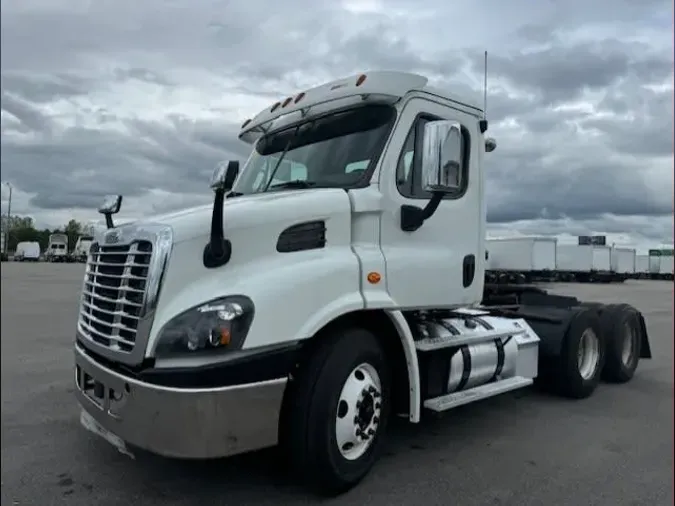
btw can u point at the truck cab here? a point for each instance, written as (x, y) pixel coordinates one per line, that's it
(81, 249)
(337, 279)
(57, 248)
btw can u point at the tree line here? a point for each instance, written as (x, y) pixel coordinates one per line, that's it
(22, 228)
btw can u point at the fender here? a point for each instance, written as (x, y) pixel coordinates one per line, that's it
(410, 352)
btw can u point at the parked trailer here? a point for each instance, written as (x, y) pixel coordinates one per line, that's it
(641, 266)
(584, 262)
(521, 259)
(666, 267)
(622, 263)
(308, 314)
(654, 266)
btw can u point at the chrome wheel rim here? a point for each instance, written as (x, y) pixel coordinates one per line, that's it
(628, 348)
(358, 412)
(588, 354)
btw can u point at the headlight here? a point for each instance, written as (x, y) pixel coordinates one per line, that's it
(219, 324)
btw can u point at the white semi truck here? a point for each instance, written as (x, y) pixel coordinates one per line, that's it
(308, 311)
(81, 249)
(57, 248)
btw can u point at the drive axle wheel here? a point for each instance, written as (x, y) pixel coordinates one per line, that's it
(624, 339)
(582, 356)
(335, 411)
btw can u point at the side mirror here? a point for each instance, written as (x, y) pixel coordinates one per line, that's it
(442, 156)
(218, 250)
(224, 175)
(111, 205)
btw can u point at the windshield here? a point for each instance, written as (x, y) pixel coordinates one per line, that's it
(332, 151)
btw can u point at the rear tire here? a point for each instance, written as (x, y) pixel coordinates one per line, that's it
(336, 410)
(621, 326)
(582, 356)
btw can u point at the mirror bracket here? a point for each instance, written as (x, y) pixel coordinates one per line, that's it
(111, 205)
(413, 217)
(218, 250)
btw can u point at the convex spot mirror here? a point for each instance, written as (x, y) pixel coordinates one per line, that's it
(442, 156)
(224, 175)
(111, 204)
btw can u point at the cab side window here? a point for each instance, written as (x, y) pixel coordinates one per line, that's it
(409, 167)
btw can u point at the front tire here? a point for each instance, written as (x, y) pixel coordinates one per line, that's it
(336, 411)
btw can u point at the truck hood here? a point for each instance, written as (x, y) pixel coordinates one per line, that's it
(248, 211)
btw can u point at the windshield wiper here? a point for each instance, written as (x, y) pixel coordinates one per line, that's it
(299, 184)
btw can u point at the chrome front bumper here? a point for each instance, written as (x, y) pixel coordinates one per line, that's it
(177, 422)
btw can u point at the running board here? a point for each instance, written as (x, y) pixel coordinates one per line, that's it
(455, 399)
(436, 343)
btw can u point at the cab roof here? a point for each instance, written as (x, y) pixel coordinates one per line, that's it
(372, 87)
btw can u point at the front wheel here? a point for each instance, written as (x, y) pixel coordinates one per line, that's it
(336, 411)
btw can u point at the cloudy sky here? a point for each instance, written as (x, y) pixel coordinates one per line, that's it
(144, 97)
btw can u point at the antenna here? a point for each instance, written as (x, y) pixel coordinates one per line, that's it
(485, 86)
(484, 122)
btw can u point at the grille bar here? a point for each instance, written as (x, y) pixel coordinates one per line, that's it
(115, 284)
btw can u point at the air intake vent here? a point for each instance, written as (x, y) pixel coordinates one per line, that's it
(301, 237)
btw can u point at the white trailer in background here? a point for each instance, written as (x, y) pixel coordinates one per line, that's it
(622, 263)
(584, 262)
(515, 259)
(666, 267)
(654, 266)
(641, 266)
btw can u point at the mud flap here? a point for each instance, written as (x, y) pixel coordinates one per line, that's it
(645, 348)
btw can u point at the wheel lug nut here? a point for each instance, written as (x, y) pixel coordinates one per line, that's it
(377, 395)
(377, 406)
(371, 432)
(376, 419)
(371, 389)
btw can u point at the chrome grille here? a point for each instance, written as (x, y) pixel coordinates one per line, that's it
(113, 294)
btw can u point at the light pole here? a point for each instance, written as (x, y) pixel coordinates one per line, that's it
(9, 217)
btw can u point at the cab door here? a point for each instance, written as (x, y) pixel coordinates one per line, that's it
(437, 265)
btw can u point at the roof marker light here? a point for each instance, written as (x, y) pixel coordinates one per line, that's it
(287, 101)
(275, 107)
(246, 123)
(361, 80)
(299, 97)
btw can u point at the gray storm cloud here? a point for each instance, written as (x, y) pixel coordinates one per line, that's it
(582, 110)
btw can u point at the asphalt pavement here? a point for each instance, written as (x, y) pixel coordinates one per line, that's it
(527, 448)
